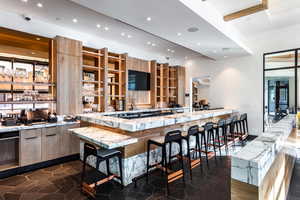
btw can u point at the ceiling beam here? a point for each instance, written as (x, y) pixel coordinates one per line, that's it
(248, 11)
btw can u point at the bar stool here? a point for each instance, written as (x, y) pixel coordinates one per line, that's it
(232, 127)
(101, 155)
(243, 124)
(209, 128)
(220, 129)
(204, 132)
(193, 131)
(162, 141)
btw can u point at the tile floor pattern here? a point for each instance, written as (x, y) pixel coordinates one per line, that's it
(61, 182)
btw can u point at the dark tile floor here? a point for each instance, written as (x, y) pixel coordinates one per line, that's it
(61, 182)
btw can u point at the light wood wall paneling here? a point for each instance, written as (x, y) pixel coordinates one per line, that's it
(69, 75)
(142, 99)
(104, 64)
(125, 80)
(166, 84)
(181, 85)
(153, 83)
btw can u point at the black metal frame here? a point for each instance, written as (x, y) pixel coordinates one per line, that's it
(295, 67)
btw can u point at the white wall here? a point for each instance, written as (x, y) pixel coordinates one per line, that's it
(238, 82)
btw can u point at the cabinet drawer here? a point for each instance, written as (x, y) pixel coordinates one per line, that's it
(30, 134)
(30, 147)
(50, 143)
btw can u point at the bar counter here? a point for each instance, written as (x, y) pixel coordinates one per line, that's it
(131, 135)
(262, 169)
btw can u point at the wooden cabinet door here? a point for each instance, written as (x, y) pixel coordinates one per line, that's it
(30, 147)
(50, 143)
(69, 144)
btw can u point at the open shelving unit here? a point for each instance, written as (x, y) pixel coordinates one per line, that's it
(93, 76)
(164, 84)
(18, 77)
(104, 80)
(173, 92)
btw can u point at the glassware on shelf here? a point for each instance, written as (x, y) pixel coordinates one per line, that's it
(42, 74)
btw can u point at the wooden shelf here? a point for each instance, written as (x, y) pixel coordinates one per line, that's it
(90, 53)
(91, 82)
(27, 83)
(90, 68)
(27, 102)
(114, 71)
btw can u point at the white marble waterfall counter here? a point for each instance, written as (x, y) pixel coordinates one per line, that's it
(251, 163)
(139, 124)
(103, 138)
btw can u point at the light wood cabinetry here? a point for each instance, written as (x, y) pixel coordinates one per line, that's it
(43, 144)
(68, 65)
(104, 83)
(69, 144)
(30, 147)
(167, 85)
(50, 143)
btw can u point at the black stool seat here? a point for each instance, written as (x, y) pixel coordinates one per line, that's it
(107, 153)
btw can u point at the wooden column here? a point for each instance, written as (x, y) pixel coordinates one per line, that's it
(153, 84)
(181, 86)
(69, 75)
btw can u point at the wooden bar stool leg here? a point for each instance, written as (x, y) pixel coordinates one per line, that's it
(148, 160)
(170, 156)
(107, 168)
(83, 168)
(198, 149)
(182, 162)
(189, 156)
(164, 167)
(121, 170)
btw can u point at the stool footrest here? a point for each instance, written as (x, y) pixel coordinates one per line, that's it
(175, 175)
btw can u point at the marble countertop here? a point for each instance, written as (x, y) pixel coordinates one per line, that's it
(253, 161)
(140, 124)
(23, 127)
(103, 138)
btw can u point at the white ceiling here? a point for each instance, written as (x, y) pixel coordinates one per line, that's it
(168, 18)
(281, 14)
(55, 18)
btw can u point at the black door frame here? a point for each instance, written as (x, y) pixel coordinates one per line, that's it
(295, 67)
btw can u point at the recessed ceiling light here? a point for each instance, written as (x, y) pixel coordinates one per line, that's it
(225, 56)
(38, 38)
(123, 34)
(198, 43)
(178, 34)
(153, 44)
(149, 19)
(40, 5)
(98, 26)
(106, 28)
(129, 36)
(168, 49)
(24, 1)
(172, 51)
(193, 29)
(148, 43)
(75, 20)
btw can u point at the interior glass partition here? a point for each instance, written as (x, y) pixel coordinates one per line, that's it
(280, 85)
